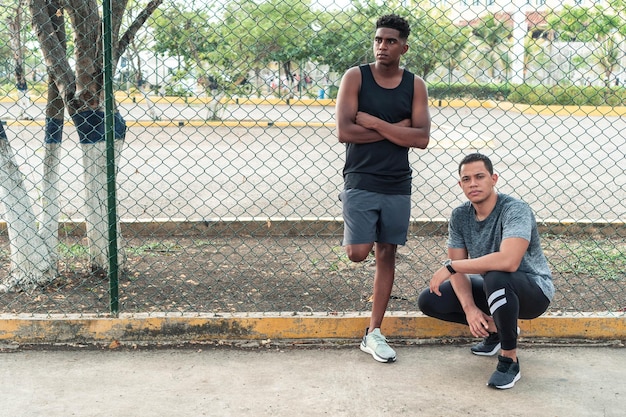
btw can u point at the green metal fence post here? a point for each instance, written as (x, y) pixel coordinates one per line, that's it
(109, 122)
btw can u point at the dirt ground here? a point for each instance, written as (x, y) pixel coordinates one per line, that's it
(267, 274)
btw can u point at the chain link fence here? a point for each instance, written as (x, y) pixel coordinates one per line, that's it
(225, 167)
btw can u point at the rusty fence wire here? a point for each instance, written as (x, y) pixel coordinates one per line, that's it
(227, 168)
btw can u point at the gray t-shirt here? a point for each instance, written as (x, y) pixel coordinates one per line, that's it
(510, 218)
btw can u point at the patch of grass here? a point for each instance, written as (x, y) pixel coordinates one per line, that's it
(75, 250)
(201, 243)
(342, 258)
(606, 260)
(155, 247)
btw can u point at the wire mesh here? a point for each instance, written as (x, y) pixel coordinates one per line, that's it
(229, 169)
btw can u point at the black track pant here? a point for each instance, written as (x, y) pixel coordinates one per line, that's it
(503, 295)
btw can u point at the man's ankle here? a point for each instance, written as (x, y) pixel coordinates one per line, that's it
(511, 354)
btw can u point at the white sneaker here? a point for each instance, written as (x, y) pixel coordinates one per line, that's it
(376, 345)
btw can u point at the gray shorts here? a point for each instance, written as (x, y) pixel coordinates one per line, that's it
(373, 217)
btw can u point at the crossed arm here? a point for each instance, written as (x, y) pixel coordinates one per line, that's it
(359, 127)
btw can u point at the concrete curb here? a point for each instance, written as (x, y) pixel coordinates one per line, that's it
(181, 328)
(323, 226)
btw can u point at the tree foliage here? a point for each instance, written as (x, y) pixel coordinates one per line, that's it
(604, 25)
(344, 39)
(492, 36)
(248, 35)
(435, 41)
(181, 29)
(270, 31)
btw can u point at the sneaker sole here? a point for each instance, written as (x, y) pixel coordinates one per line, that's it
(507, 386)
(375, 356)
(490, 353)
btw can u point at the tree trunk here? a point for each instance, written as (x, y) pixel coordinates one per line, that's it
(50, 210)
(96, 207)
(15, 27)
(31, 263)
(80, 90)
(33, 247)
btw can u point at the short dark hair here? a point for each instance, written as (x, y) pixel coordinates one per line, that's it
(393, 21)
(476, 157)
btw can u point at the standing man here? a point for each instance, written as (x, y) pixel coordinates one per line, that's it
(381, 112)
(496, 272)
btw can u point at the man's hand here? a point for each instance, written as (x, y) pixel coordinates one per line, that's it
(439, 278)
(366, 120)
(478, 322)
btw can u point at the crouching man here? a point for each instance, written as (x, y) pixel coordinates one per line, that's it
(496, 272)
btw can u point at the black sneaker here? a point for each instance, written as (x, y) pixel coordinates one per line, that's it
(506, 375)
(488, 347)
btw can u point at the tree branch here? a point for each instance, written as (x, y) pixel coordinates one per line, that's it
(130, 33)
(44, 13)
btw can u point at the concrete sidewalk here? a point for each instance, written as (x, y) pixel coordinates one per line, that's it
(428, 380)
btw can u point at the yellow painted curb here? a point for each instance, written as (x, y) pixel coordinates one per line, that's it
(549, 110)
(560, 110)
(178, 328)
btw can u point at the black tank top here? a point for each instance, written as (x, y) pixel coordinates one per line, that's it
(383, 166)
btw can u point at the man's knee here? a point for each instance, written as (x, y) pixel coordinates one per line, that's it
(495, 280)
(425, 302)
(358, 253)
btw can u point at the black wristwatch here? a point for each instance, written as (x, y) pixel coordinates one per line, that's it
(448, 265)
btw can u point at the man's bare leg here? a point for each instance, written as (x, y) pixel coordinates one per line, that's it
(383, 281)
